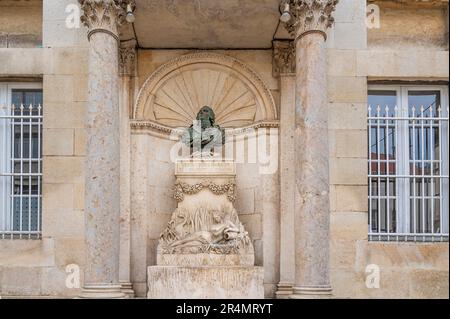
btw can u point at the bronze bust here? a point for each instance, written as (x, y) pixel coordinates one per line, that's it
(204, 135)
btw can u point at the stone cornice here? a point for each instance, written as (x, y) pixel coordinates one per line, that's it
(127, 57)
(283, 58)
(310, 16)
(104, 15)
(165, 131)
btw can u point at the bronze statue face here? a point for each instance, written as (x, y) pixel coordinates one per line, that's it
(204, 134)
(206, 116)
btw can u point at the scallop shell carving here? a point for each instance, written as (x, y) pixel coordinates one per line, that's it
(180, 97)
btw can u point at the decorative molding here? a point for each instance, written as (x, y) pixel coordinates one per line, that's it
(166, 131)
(283, 58)
(310, 16)
(261, 104)
(184, 188)
(127, 57)
(104, 15)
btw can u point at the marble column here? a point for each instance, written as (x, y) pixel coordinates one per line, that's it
(284, 69)
(127, 60)
(102, 190)
(309, 21)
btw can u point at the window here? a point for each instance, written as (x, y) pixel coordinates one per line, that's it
(408, 163)
(20, 161)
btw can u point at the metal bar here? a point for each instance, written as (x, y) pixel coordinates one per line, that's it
(5, 202)
(422, 162)
(370, 168)
(386, 132)
(19, 232)
(408, 176)
(21, 174)
(432, 169)
(30, 138)
(11, 199)
(39, 169)
(412, 118)
(379, 170)
(20, 117)
(21, 168)
(441, 186)
(414, 171)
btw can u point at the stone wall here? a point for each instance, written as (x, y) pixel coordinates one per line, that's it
(408, 270)
(39, 267)
(410, 26)
(20, 23)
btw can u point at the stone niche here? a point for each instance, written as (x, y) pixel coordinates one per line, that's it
(204, 251)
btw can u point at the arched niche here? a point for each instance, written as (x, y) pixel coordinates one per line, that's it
(173, 94)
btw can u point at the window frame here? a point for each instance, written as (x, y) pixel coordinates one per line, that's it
(402, 160)
(6, 89)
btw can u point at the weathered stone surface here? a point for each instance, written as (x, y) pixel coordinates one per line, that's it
(22, 62)
(349, 198)
(102, 192)
(349, 226)
(198, 260)
(312, 205)
(410, 27)
(21, 281)
(344, 89)
(21, 24)
(429, 284)
(287, 185)
(403, 63)
(58, 142)
(348, 171)
(27, 253)
(205, 282)
(64, 169)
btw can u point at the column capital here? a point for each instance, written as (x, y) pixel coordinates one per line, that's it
(283, 58)
(309, 16)
(104, 15)
(127, 57)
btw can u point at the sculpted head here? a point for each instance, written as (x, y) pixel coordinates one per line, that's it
(206, 116)
(217, 216)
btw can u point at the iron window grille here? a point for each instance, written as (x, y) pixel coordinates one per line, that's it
(20, 162)
(408, 163)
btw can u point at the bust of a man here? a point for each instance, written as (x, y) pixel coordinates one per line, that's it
(204, 134)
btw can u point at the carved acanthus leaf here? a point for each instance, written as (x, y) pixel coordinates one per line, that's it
(283, 58)
(104, 15)
(127, 57)
(310, 15)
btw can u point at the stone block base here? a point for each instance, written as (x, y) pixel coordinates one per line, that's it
(209, 282)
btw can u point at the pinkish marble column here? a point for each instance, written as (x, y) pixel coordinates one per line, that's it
(309, 22)
(102, 184)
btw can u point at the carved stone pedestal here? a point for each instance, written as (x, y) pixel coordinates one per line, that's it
(207, 282)
(205, 252)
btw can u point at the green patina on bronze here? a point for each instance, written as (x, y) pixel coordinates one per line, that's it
(204, 134)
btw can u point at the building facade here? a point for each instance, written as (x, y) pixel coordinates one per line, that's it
(348, 199)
